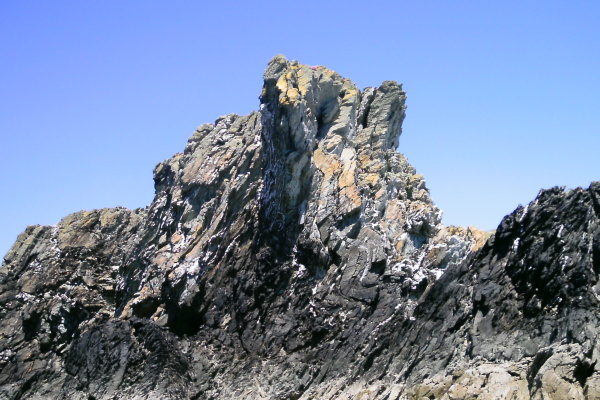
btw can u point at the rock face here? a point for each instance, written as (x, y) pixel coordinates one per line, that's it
(293, 254)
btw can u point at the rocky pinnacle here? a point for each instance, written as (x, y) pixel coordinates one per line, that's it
(294, 253)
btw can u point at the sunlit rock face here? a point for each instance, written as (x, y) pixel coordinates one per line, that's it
(293, 253)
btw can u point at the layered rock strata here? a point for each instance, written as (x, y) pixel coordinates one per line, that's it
(293, 253)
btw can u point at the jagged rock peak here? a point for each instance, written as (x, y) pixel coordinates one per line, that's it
(293, 253)
(312, 182)
(319, 103)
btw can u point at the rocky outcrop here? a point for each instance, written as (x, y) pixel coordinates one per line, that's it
(55, 283)
(517, 320)
(293, 254)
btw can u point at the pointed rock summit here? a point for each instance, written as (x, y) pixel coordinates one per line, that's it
(293, 253)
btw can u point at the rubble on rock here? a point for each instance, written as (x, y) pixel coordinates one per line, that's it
(293, 254)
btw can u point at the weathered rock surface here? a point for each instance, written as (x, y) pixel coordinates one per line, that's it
(293, 254)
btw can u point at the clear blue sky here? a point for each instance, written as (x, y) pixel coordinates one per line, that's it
(503, 97)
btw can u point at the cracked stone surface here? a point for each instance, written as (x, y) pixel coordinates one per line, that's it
(293, 253)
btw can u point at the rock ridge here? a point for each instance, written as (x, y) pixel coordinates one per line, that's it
(293, 253)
